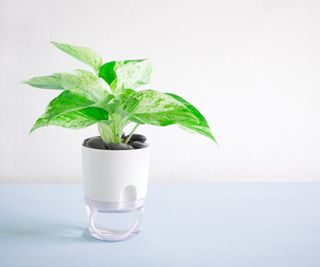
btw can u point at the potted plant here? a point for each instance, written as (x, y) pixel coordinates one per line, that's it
(115, 164)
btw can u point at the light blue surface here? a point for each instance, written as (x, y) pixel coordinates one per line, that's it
(184, 225)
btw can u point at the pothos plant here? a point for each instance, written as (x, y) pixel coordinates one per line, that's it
(107, 95)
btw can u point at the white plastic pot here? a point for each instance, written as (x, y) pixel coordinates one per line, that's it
(115, 181)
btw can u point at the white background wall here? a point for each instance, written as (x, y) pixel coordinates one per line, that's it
(252, 67)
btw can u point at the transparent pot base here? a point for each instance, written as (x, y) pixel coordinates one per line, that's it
(114, 221)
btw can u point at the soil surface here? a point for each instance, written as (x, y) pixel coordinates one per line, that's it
(137, 141)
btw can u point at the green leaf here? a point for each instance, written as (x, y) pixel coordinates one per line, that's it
(126, 74)
(80, 81)
(86, 55)
(69, 105)
(133, 73)
(67, 101)
(108, 73)
(155, 108)
(200, 125)
(46, 82)
(75, 119)
(85, 83)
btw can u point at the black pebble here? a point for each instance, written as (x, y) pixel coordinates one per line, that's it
(138, 145)
(95, 142)
(118, 146)
(85, 141)
(138, 137)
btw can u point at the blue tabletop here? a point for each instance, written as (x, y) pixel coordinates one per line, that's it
(184, 225)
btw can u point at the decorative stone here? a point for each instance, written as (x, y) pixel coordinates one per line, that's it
(138, 145)
(121, 146)
(85, 141)
(96, 142)
(138, 137)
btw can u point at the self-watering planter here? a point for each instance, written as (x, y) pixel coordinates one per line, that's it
(115, 165)
(114, 181)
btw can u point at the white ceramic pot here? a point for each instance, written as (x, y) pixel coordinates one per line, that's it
(114, 181)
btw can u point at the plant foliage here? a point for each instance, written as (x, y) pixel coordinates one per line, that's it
(108, 96)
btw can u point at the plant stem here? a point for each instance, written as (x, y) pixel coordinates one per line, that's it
(132, 132)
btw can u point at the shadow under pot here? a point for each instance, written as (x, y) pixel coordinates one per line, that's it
(114, 182)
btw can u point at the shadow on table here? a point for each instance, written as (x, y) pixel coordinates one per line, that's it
(45, 231)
